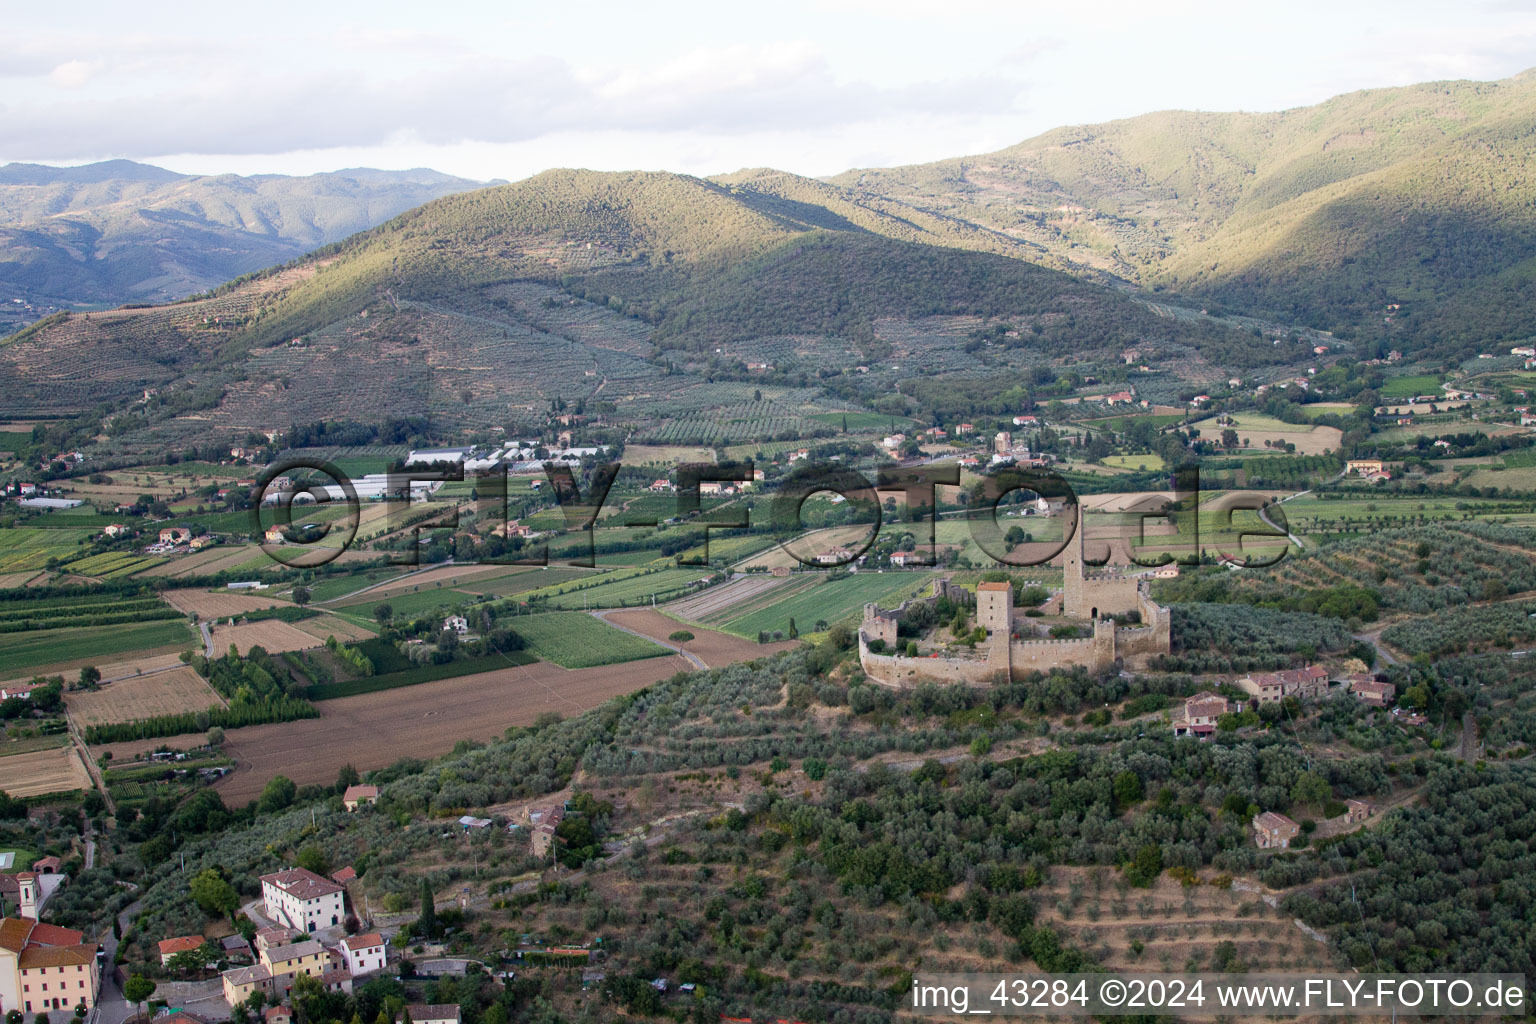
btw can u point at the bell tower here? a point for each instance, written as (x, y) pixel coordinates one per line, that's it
(27, 882)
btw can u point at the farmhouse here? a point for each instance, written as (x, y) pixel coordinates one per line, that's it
(1274, 831)
(1269, 687)
(302, 899)
(1356, 811)
(180, 944)
(1364, 467)
(114, 529)
(44, 967)
(357, 796)
(1015, 646)
(1200, 713)
(456, 624)
(832, 556)
(175, 535)
(1374, 693)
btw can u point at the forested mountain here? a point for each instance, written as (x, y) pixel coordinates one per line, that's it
(120, 231)
(1418, 197)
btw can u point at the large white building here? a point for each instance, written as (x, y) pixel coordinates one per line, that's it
(303, 900)
(44, 968)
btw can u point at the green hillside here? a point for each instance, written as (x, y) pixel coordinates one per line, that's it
(1416, 196)
(646, 288)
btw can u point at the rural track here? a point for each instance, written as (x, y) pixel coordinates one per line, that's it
(84, 753)
(692, 659)
(389, 582)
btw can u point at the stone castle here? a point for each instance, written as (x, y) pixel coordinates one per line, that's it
(1013, 647)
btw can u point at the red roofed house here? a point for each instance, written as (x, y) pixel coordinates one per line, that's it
(277, 1015)
(179, 944)
(302, 899)
(344, 875)
(44, 967)
(47, 865)
(356, 796)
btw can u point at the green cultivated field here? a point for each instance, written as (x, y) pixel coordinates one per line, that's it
(22, 651)
(24, 547)
(578, 640)
(1407, 387)
(831, 600)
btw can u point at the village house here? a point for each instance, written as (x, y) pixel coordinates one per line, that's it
(175, 535)
(716, 487)
(456, 624)
(274, 535)
(344, 876)
(1368, 689)
(833, 556)
(277, 1015)
(1200, 713)
(44, 967)
(1026, 421)
(1356, 811)
(179, 944)
(114, 529)
(905, 558)
(1274, 831)
(663, 485)
(1301, 683)
(364, 954)
(302, 899)
(358, 796)
(1364, 467)
(241, 983)
(435, 1013)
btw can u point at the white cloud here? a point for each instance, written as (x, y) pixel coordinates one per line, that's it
(72, 74)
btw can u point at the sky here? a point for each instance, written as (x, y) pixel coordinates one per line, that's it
(504, 90)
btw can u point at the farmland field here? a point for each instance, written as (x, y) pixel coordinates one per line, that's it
(24, 651)
(1254, 429)
(829, 600)
(40, 772)
(220, 604)
(113, 564)
(272, 634)
(426, 720)
(709, 646)
(577, 640)
(1149, 461)
(620, 588)
(25, 547)
(163, 693)
(1407, 387)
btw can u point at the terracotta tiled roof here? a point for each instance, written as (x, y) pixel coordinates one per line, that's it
(356, 942)
(301, 883)
(179, 944)
(56, 956)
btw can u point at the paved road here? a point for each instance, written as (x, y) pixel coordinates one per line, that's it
(693, 659)
(111, 1006)
(207, 640)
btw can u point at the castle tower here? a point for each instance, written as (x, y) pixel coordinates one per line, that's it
(1072, 571)
(27, 882)
(994, 608)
